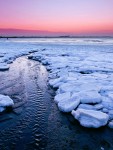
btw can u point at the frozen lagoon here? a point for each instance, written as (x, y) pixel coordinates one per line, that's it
(79, 67)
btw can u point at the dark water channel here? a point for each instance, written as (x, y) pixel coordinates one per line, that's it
(35, 122)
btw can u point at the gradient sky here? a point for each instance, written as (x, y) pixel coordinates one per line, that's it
(70, 16)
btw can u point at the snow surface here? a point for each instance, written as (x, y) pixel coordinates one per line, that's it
(90, 118)
(3, 67)
(81, 71)
(5, 101)
(111, 124)
(68, 104)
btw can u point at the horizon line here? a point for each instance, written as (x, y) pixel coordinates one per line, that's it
(7, 32)
(61, 36)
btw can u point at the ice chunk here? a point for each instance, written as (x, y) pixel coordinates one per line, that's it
(91, 107)
(5, 101)
(98, 106)
(107, 103)
(59, 97)
(2, 109)
(3, 67)
(110, 113)
(57, 85)
(90, 97)
(110, 95)
(69, 87)
(69, 104)
(105, 110)
(110, 124)
(90, 118)
(87, 106)
(56, 81)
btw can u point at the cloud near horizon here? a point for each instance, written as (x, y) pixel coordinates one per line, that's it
(72, 17)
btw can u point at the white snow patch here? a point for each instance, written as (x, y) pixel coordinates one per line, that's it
(110, 125)
(5, 101)
(2, 109)
(68, 105)
(3, 67)
(110, 113)
(90, 97)
(87, 107)
(90, 118)
(59, 97)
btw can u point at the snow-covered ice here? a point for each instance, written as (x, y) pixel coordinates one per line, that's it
(5, 101)
(110, 124)
(2, 109)
(59, 97)
(90, 97)
(80, 67)
(3, 67)
(68, 104)
(90, 118)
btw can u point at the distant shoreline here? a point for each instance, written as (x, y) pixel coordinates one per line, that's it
(56, 36)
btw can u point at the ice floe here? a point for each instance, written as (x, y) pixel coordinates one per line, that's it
(2, 109)
(90, 118)
(87, 107)
(90, 97)
(59, 97)
(68, 104)
(5, 101)
(3, 67)
(110, 124)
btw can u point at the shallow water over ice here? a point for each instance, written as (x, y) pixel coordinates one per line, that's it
(25, 127)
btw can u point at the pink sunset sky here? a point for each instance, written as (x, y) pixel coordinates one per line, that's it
(72, 17)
